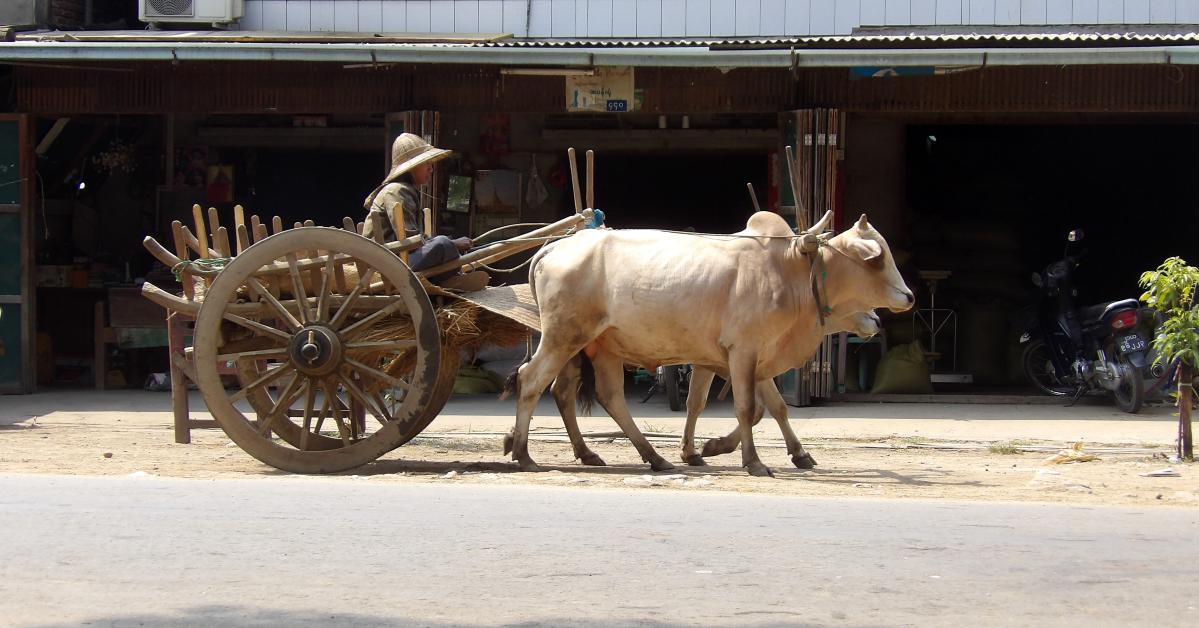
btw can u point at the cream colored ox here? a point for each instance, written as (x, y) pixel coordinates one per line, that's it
(651, 297)
(568, 392)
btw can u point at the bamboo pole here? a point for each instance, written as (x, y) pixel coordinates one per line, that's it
(590, 179)
(239, 221)
(574, 179)
(506, 248)
(1186, 392)
(201, 231)
(793, 179)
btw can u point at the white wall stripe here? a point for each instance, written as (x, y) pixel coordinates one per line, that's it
(699, 18)
(693, 18)
(649, 18)
(345, 16)
(724, 18)
(1136, 12)
(924, 12)
(274, 15)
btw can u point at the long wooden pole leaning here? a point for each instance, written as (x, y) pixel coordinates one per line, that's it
(590, 179)
(574, 179)
(500, 250)
(801, 222)
(753, 197)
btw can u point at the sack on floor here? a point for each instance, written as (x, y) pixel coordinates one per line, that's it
(472, 380)
(903, 371)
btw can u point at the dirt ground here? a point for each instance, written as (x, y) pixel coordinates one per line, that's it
(114, 442)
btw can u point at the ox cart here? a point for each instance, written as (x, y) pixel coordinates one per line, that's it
(339, 352)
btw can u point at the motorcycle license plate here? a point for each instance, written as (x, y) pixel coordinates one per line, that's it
(1133, 343)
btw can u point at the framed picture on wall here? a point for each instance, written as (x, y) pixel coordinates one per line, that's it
(458, 198)
(498, 191)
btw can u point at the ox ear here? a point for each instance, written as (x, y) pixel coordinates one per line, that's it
(865, 250)
(863, 224)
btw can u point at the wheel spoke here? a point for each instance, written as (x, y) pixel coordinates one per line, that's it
(260, 354)
(323, 297)
(274, 303)
(379, 375)
(348, 305)
(365, 323)
(341, 426)
(309, 402)
(290, 393)
(330, 397)
(270, 376)
(257, 328)
(387, 408)
(363, 399)
(391, 346)
(297, 287)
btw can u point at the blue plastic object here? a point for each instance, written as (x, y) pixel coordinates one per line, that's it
(596, 221)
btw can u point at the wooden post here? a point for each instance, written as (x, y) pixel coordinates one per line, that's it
(574, 179)
(201, 231)
(239, 220)
(793, 176)
(753, 197)
(1186, 392)
(590, 179)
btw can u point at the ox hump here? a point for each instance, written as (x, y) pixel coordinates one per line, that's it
(767, 224)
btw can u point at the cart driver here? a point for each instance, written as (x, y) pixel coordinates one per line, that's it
(412, 166)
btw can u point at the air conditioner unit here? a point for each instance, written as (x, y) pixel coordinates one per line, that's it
(211, 11)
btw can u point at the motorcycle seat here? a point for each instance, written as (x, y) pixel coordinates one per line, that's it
(1102, 312)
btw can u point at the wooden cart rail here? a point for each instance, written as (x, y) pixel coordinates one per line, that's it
(320, 326)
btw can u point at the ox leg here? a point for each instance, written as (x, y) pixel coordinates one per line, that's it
(741, 368)
(532, 380)
(697, 399)
(565, 390)
(769, 395)
(609, 390)
(728, 444)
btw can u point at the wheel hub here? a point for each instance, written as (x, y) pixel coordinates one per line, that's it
(316, 350)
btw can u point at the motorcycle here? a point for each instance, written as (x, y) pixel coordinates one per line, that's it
(1073, 350)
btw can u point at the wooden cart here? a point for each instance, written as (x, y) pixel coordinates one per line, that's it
(340, 352)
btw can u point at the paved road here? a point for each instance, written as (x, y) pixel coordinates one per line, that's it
(339, 551)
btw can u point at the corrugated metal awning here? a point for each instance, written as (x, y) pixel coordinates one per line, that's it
(914, 47)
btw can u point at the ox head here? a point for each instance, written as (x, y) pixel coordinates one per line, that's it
(862, 272)
(864, 324)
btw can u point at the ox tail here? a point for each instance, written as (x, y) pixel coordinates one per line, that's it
(512, 382)
(586, 392)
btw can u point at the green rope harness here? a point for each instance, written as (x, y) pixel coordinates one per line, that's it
(203, 264)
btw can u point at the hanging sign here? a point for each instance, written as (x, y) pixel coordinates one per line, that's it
(609, 89)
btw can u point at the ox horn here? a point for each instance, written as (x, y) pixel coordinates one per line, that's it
(862, 223)
(821, 224)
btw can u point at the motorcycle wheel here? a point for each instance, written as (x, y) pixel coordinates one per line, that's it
(670, 377)
(1039, 370)
(1130, 396)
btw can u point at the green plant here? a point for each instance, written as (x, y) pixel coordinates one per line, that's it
(1171, 291)
(1004, 449)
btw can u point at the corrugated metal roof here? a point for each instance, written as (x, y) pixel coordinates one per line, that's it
(926, 37)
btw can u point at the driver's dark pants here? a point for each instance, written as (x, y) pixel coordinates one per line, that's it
(434, 252)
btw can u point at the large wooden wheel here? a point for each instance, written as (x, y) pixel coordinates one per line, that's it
(306, 362)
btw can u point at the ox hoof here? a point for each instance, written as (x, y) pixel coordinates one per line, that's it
(715, 447)
(528, 465)
(592, 459)
(803, 461)
(759, 470)
(695, 460)
(508, 443)
(661, 465)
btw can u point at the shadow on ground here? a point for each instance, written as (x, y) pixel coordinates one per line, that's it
(243, 617)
